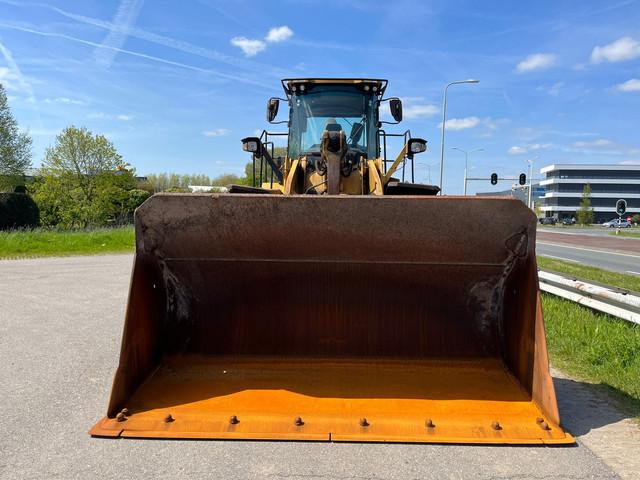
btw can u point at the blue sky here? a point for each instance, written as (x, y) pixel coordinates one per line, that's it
(175, 85)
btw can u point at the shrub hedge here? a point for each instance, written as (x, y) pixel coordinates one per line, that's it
(18, 210)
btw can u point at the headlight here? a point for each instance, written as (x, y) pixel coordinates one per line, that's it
(251, 144)
(417, 145)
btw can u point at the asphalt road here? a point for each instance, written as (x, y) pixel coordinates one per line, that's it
(577, 230)
(60, 326)
(590, 246)
(615, 261)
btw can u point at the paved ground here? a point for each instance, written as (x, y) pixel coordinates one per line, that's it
(618, 254)
(60, 326)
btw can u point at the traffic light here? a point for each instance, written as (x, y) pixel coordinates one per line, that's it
(494, 179)
(621, 207)
(522, 179)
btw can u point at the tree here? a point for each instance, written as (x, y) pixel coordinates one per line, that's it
(15, 147)
(585, 212)
(537, 209)
(82, 156)
(162, 182)
(225, 179)
(85, 183)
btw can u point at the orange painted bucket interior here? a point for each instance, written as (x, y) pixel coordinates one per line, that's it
(408, 401)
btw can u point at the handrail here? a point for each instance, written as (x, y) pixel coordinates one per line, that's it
(406, 136)
(264, 139)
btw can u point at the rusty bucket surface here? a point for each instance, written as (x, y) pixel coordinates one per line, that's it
(410, 319)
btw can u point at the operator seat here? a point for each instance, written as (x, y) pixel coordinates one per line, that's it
(332, 125)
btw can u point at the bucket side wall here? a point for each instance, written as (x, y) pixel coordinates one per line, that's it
(141, 346)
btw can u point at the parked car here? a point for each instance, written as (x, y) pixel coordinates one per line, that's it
(547, 221)
(617, 223)
(569, 221)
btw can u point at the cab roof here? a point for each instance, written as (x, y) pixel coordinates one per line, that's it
(290, 85)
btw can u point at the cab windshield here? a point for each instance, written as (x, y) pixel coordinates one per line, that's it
(351, 109)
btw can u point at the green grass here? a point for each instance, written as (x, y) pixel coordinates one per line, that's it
(621, 280)
(624, 233)
(594, 347)
(43, 243)
(590, 345)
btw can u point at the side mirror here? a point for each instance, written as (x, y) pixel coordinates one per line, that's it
(416, 145)
(395, 105)
(252, 145)
(272, 109)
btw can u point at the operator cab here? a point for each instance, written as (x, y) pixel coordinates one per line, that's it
(345, 108)
(334, 146)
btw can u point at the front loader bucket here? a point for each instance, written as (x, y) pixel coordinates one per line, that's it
(343, 318)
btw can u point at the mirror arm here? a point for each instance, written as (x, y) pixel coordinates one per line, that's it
(378, 107)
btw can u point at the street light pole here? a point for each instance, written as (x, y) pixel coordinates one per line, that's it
(466, 163)
(530, 162)
(444, 119)
(428, 166)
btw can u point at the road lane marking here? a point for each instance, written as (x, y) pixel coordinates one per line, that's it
(558, 258)
(610, 252)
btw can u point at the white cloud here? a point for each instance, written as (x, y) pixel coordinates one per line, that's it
(516, 150)
(539, 146)
(416, 107)
(41, 132)
(490, 126)
(625, 48)
(123, 22)
(249, 47)
(632, 85)
(600, 142)
(279, 34)
(216, 132)
(14, 80)
(531, 147)
(629, 162)
(65, 100)
(106, 116)
(460, 123)
(537, 61)
(417, 111)
(555, 89)
(9, 79)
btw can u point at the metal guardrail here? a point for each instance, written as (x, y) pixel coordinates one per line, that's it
(614, 301)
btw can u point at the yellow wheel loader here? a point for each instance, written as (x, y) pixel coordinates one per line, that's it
(332, 301)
